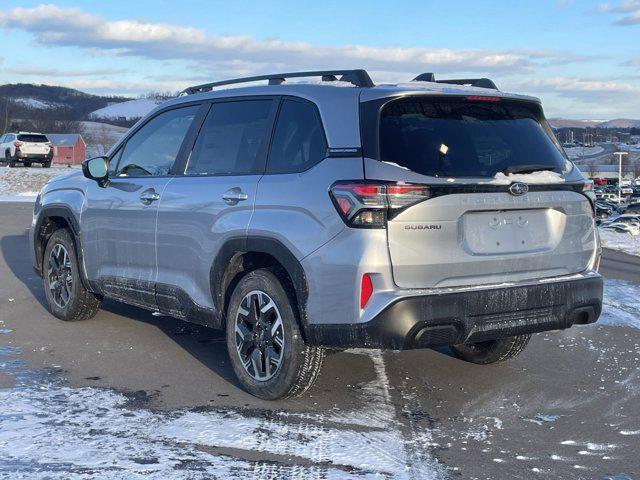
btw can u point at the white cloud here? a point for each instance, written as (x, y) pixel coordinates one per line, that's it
(54, 72)
(586, 90)
(56, 26)
(627, 12)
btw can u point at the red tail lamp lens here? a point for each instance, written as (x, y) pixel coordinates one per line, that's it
(366, 289)
(482, 98)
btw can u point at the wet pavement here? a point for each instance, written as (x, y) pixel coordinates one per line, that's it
(130, 395)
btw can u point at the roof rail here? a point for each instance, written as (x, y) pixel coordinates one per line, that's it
(359, 78)
(472, 82)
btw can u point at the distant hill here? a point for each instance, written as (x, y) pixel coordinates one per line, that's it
(616, 123)
(29, 100)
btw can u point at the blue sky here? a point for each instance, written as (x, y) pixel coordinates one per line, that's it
(581, 57)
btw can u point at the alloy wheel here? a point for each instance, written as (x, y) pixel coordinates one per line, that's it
(259, 335)
(59, 275)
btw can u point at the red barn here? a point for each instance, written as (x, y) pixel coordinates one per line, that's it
(68, 147)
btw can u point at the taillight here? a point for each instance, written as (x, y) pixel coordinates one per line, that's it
(17, 144)
(366, 289)
(482, 98)
(371, 204)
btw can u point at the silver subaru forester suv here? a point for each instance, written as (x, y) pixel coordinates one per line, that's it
(306, 217)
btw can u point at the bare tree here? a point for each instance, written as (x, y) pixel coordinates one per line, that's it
(99, 141)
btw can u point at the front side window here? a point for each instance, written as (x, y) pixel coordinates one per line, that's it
(298, 141)
(152, 150)
(231, 139)
(464, 137)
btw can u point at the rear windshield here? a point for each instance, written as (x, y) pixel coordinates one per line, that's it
(27, 137)
(460, 137)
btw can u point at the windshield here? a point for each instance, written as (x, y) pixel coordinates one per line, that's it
(462, 137)
(32, 138)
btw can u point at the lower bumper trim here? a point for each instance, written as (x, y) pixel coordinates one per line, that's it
(469, 316)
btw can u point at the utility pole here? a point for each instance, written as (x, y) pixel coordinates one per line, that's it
(5, 127)
(620, 154)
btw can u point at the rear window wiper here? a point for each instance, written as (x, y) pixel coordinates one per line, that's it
(527, 169)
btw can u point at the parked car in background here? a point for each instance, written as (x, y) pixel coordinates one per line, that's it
(336, 214)
(604, 210)
(634, 198)
(629, 218)
(633, 208)
(632, 228)
(26, 148)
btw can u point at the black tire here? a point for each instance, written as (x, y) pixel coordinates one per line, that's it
(81, 303)
(46, 164)
(492, 351)
(299, 364)
(27, 164)
(9, 160)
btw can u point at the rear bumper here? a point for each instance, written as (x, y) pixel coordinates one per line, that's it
(470, 316)
(34, 157)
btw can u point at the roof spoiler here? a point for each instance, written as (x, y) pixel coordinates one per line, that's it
(472, 82)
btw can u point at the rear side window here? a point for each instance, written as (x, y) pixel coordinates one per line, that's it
(298, 141)
(32, 138)
(467, 138)
(231, 139)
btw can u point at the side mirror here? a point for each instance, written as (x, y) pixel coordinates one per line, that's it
(97, 169)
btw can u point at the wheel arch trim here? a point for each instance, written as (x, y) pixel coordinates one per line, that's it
(236, 247)
(64, 212)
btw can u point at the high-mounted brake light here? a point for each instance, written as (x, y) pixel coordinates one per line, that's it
(366, 289)
(482, 98)
(371, 204)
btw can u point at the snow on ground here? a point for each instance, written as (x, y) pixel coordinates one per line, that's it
(631, 148)
(129, 110)
(23, 183)
(578, 152)
(35, 103)
(59, 432)
(621, 304)
(624, 242)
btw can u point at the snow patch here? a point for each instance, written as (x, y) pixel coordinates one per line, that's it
(56, 431)
(620, 241)
(35, 103)
(541, 419)
(22, 184)
(543, 177)
(579, 152)
(129, 110)
(621, 304)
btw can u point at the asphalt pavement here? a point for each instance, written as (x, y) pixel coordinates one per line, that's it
(568, 407)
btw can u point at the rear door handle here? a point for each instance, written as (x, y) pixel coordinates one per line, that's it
(149, 196)
(234, 195)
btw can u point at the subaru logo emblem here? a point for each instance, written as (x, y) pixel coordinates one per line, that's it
(518, 189)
